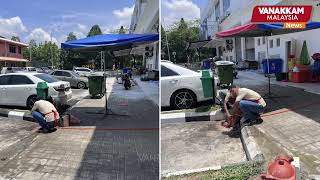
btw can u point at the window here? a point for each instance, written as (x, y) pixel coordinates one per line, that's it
(47, 78)
(278, 42)
(167, 72)
(264, 40)
(259, 41)
(67, 74)
(271, 43)
(226, 5)
(19, 50)
(19, 80)
(12, 49)
(217, 10)
(58, 73)
(4, 80)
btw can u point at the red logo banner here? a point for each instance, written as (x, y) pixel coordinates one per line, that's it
(281, 14)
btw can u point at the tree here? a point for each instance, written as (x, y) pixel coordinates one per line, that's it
(71, 37)
(15, 38)
(41, 54)
(182, 24)
(304, 56)
(95, 30)
(179, 35)
(122, 30)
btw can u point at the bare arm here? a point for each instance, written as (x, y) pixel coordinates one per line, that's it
(226, 108)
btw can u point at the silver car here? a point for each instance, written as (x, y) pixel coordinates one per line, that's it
(72, 77)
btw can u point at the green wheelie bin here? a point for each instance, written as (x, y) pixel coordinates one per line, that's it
(206, 81)
(97, 85)
(224, 70)
(42, 90)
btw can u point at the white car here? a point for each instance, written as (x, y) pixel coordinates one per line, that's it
(19, 89)
(181, 88)
(30, 69)
(83, 71)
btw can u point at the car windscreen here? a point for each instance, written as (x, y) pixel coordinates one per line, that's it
(180, 69)
(32, 69)
(47, 78)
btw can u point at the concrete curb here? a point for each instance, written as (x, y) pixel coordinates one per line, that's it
(178, 173)
(16, 114)
(250, 146)
(192, 116)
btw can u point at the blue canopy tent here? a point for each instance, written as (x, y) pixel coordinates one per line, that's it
(109, 43)
(257, 30)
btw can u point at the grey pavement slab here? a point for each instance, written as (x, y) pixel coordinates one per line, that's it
(150, 88)
(124, 145)
(291, 122)
(197, 145)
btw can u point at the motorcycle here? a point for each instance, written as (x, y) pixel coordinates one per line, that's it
(127, 82)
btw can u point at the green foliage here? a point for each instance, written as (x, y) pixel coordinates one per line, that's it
(95, 30)
(179, 35)
(71, 37)
(122, 30)
(42, 54)
(304, 56)
(235, 172)
(15, 38)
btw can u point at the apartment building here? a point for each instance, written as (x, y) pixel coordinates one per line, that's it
(145, 20)
(219, 15)
(11, 53)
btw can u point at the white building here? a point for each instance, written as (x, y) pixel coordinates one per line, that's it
(219, 15)
(145, 20)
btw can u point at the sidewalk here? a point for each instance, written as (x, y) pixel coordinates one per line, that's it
(189, 147)
(122, 145)
(308, 87)
(150, 88)
(290, 122)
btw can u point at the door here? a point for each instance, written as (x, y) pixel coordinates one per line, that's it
(4, 82)
(58, 75)
(69, 78)
(169, 82)
(20, 88)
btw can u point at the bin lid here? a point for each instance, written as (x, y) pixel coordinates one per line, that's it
(223, 63)
(205, 73)
(42, 85)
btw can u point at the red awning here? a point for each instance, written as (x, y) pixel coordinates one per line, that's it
(237, 31)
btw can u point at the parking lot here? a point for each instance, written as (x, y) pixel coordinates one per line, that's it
(119, 145)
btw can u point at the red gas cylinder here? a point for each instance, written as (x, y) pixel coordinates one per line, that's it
(280, 169)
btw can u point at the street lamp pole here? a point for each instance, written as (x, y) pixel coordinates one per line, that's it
(51, 49)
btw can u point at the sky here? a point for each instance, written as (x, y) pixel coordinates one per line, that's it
(37, 19)
(174, 10)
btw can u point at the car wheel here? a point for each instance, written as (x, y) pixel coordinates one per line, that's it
(183, 99)
(31, 100)
(81, 85)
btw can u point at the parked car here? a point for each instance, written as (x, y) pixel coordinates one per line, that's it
(6, 70)
(83, 71)
(19, 89)
(73, 78)
(44, 70)
(29, 69)
(181, 88)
